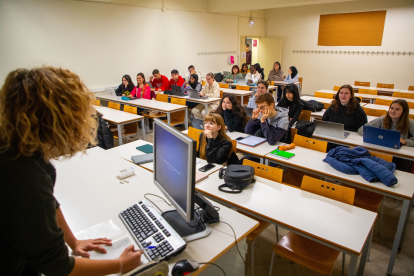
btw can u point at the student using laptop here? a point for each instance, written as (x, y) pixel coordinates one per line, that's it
(142, 90)
(126, 87)
(244, 69)
(291, 101)
(397, 118)
(345, 109)
(276, 74)
(211, 89)
(235, 117)
(267, 121)
(52, 117)
(191, 71)
(176, 79)
(192, 84)
(261, 89)
(234, 73)
(214, 144)
(254, 76)
(159, 82)
(293, 76)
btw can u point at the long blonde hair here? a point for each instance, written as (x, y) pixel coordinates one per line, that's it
(47, 110)
(217, 119)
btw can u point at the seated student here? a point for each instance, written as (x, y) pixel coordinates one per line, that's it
(142, 90)
(244, 69)
(234, 115)
(159, 82)
(126, 87)
(267, 121)
(234, 73)
(291, 100)
(261, 89)
(397, 118)
(260, 70)
(191, 71)
(293, 76)
(52, 116)
(211, 89)
(253, 77)
(214, 144)
(192, 84)
(345, 109)
(276, 75)
(176, 79)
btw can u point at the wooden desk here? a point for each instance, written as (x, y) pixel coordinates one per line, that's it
(395, 98)
(148, 104)
(312, 161)
(383, 107)
(241, 93)
(335, 224)
(120, 118)
(89, 194)
(368, 97)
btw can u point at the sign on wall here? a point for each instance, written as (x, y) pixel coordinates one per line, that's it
(254, 42)
(243, 55)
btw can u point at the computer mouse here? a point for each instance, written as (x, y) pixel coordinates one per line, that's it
(184, 267)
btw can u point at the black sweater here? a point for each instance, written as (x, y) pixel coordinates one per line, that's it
(352, 122)
(123, 90)
(294, 110)
(233, 122)
(29, 233)
(104, 134)
(217, 150)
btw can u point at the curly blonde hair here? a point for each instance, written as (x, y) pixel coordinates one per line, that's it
(47, 110)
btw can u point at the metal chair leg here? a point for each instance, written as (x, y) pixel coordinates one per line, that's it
(253, 257)
(271, 263)
(277, 233)
(381, 215)
(369, 249)
(343, 263)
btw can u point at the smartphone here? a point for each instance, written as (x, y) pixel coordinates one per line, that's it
(206, 167)
(240, 138)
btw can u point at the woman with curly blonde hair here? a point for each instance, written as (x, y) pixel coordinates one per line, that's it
(45, 113)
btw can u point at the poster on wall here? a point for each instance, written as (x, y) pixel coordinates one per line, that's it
(254, 42)
(243, 55)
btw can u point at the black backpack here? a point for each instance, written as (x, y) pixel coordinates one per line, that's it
(312, 105)
(236, 177)
(218, 77)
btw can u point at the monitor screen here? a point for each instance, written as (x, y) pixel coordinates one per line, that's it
(174, 167)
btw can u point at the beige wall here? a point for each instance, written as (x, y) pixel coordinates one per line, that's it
(298, 28)
(102, 42)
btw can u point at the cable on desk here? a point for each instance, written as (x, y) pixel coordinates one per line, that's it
(159, 197)
(235, 239)
(153, 203)
(217, 266)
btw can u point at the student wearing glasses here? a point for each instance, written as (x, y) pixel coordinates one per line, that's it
(234, 74)
(142, 90)
(261, 89)
(268, 122)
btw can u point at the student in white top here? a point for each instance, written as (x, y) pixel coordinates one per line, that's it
(253, 76)
(192, 70)
(212, 90)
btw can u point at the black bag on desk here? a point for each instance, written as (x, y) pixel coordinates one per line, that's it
(218, 77)
(312, 105)
(236, 177)
(305, 128)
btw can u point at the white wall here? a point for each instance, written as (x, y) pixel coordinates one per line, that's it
(101, 42)
(299, 26)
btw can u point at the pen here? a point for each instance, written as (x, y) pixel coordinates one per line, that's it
(146, 248)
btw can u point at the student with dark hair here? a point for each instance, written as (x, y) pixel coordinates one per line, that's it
(192, 84)
(176, 79)
(291, 100)
(260, 70)
(248, 54)
(126, 87)
(276, 74)
(345, 109)
(267, 121)
(293, 76)
(191, 71)
(142, 90)
(159, 82)
(244, 69)
(235, 72)
(254, 76)
(234, 115)
(262, 87)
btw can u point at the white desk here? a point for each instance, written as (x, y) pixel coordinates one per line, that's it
(312, 161)
(89, 194)
(369, 97)
(321, 100)
(335, 224)
(406, 91)
(148, 104)
(120, 118)
(395, 98)
(241, 93)
(383, 107)
(387, 90)
(205, 102)
(271, 87)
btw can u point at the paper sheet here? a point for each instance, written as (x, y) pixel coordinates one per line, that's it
(112, 252)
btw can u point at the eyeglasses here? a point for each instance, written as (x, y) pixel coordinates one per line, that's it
(209, 123)
(262, 107)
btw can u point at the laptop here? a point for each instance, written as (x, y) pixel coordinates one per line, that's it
(248, 110)
(175, 90)
(240, 80)
(330, 129)
(382, 137)
(192, 93)
(225, 73)
(197, 123)
(110, 91)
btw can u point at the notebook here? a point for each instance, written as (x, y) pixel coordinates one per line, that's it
(146, 148)
(200, 176)
(282, 154)
(252, 141)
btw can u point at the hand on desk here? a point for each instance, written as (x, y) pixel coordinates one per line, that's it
(82, 246)
(402, 141)
(130, 259)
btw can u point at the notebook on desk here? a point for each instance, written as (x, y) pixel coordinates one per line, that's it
(252, 141)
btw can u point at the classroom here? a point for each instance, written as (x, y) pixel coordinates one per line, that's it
(284, 131)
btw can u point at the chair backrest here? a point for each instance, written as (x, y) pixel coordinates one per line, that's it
(411, 116)
(368, 91)
(234, 146)
(385, 85)
(130, 109)
(178, 117)
(383, 102)
(403, 95)
(114, 105)
(411, 87)
(242, 87)
(360, 98)
(194, 133)
(162, 97)
(96, 102)
(362, 83)
(272, 83)
(324, 95)
(329, 190)
(224, 85)
(305, 115)
(268, 172)
(178, 101)
(336, 88)
(310, 143)
(411, 105)
(374, 112)
(203, 82)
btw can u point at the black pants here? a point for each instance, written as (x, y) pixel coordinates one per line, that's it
(29, 271)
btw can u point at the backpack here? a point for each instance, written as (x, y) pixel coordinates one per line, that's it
(236, 177)
(218, 77)
(312, 105)
(305, 128)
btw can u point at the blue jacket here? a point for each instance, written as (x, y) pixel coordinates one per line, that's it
(359, 161)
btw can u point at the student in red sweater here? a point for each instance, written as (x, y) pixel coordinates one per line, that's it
(159, 82)
(176, 79)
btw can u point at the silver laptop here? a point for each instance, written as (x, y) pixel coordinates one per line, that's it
(330, 129)
(197, 123)
(192, 93)
(240, 81)
(225, 73)
(110, 91)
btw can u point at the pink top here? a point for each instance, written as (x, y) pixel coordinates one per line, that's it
(148, 94)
